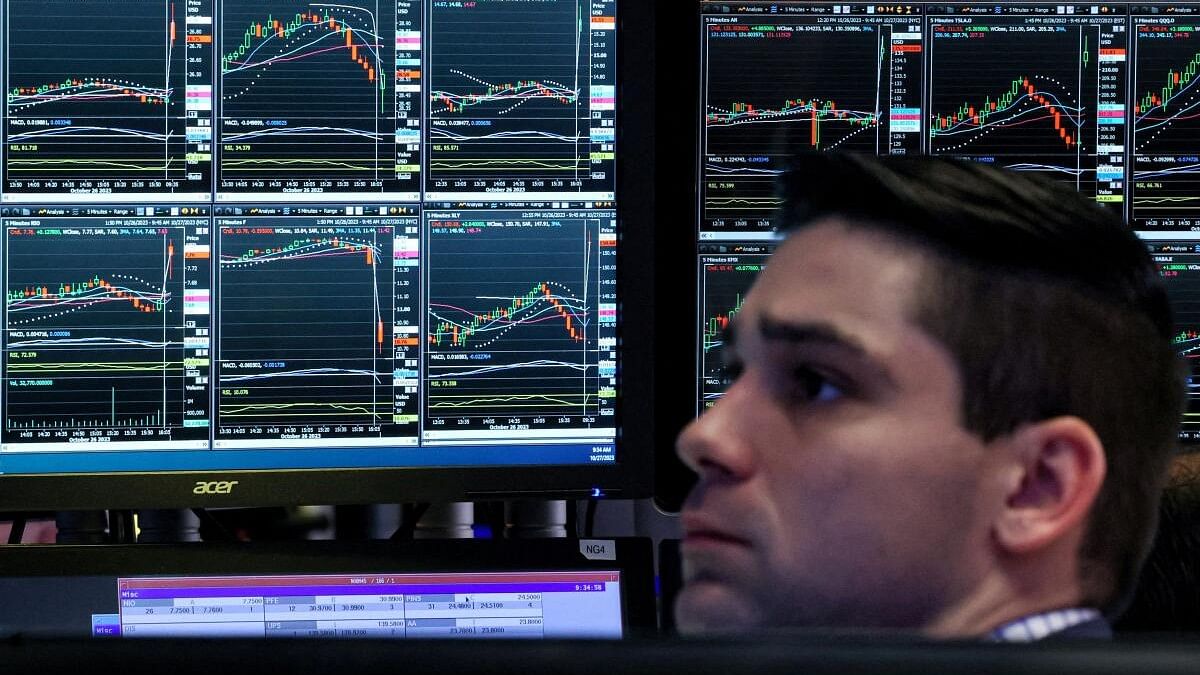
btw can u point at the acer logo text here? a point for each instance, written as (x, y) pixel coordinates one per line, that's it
(215, 487)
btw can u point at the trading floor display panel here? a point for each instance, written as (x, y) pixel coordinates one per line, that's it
(1178, 259)
(106, 329)
(521, 330)
(1101, 97)
(423, 589)
(1165, 139)
(528, 110)
(318, 101)
(726, 274)
(1049, 99)
(319, 317)
(107, 100)
(247, 237)
(776, 83)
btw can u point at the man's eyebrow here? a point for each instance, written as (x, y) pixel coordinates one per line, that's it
(809, 332)
(822, 334)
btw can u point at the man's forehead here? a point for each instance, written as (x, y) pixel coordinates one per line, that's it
(835, 272)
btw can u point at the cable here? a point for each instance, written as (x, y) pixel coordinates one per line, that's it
(215, 525)
(589, 518)
(575, 530)
(410, 515)
(120, 527)
(18, 531)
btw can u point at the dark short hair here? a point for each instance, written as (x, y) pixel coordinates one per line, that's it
(1168, 590)
(1049, 304)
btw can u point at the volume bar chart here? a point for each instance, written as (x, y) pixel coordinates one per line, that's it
(307, 350)
(104, 331)
(521, 98)
(1166, 133)
(309, 101)
(520, 330)
(105, 98)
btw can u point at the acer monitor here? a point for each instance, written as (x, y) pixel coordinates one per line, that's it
(263, 254)
(549, 589)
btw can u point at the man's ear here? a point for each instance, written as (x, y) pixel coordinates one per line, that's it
(1058, 470)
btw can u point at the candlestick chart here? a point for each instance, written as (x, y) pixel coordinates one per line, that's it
(308, 97)
(95, 97)
(724, 282)
(94, 335)
(1050, 100)
(306, 316)
(521, 96)
(1178, 262)
(1166, 135)
(521, 321)
(772, 90)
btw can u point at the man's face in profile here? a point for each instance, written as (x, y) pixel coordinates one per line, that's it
(838, 487)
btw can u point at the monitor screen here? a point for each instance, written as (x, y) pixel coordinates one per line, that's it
(376, 590)
(386, 242)
(1098, 96)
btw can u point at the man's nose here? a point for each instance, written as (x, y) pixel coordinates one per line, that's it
(718, 445)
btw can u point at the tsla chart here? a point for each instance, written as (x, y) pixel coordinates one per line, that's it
(309, 101)
(1166, 135)
(775, 86)
(102, 98)
(1029, 93)
(521, 327)
(97, 331)
(521, 97)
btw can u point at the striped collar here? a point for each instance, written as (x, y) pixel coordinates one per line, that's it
(1040, 625)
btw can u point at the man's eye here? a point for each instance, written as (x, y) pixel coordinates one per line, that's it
(813, 387)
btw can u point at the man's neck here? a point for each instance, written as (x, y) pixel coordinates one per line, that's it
(998, 601)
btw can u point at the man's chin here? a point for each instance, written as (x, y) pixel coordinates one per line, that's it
(707, 606)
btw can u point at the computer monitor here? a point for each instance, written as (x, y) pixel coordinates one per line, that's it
(1099, 96)
(324, 253)
(566, 588)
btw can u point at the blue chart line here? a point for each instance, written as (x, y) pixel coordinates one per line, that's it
(306, 372)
